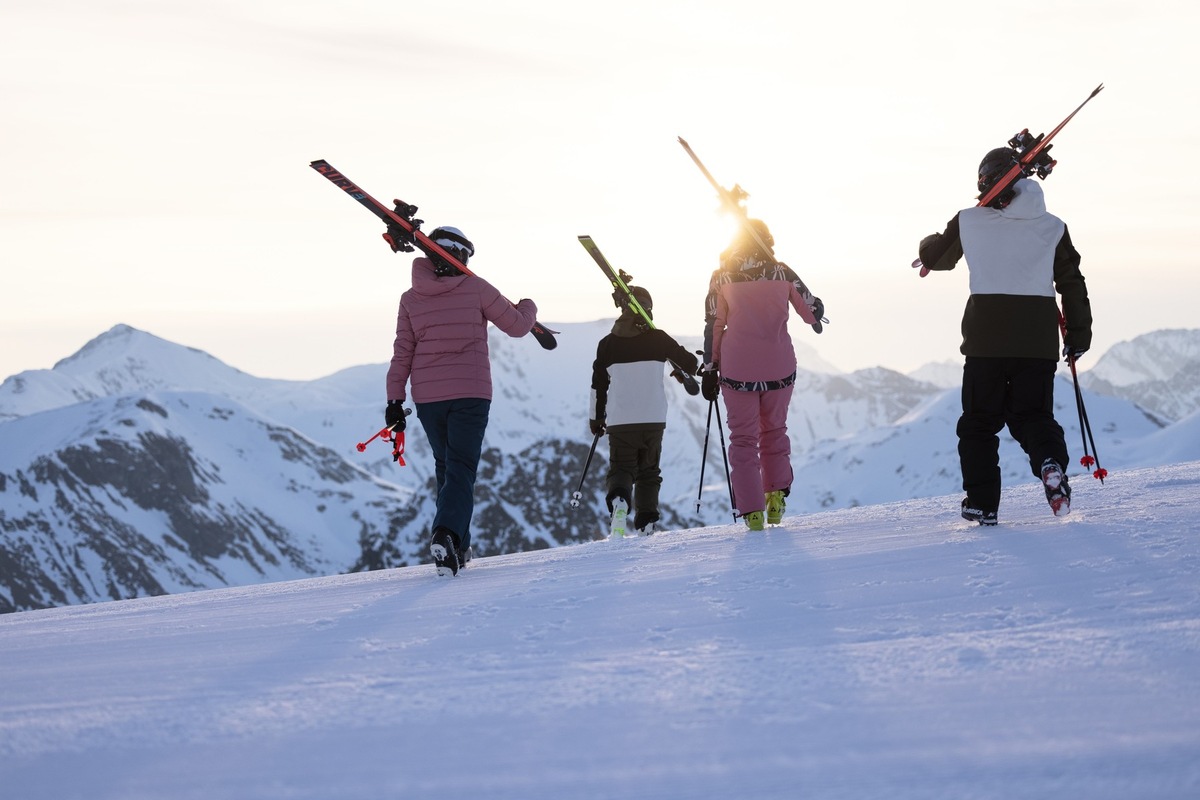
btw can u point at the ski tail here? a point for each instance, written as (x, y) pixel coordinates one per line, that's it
(405, 221)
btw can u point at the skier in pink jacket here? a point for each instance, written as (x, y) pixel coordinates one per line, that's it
(750, 362)
(441, 347)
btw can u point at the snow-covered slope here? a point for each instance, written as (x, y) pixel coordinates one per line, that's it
(890, 651)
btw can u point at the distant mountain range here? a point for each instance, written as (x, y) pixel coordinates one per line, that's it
(1159, 372)
(140, 467)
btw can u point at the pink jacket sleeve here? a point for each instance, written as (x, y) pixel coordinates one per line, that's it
(515, 320)
(800, 302)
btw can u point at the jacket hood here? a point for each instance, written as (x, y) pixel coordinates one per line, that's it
(628, 325)
(1028, 203)
(742, 262)
(427, 282)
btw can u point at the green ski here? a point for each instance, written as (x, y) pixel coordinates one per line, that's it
(620, 282)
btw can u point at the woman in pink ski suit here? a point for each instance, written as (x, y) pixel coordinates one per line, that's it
(749, 359)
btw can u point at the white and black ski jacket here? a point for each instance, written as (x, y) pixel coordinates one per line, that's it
(627, 375)
(1018, 257)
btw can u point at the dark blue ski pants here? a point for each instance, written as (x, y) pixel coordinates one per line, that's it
(455, 430)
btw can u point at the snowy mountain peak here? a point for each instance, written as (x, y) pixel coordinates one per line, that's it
(1157, 356)
(123, 341)
(1159, 371)
(123, 359)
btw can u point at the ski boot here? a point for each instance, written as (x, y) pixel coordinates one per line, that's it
(1058, 491)
(646, 522)
(444, 550)
(973, 514)
(776, 504)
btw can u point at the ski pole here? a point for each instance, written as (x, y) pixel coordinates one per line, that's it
(1085, 427)
(577, 495)
(1085, 430)
(725, 458)
(704, 454)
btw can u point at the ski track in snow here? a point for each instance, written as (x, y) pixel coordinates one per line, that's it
(885, 651)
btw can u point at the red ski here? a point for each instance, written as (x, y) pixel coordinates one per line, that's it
(1034, 158)
(402, 217)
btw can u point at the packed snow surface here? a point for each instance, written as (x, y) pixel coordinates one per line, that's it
(888, 651)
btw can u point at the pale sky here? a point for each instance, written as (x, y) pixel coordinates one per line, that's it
(157, 161)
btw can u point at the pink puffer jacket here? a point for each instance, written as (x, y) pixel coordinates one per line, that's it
(750, 337)
(442, 339)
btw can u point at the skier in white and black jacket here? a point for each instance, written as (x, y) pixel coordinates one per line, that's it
(629, 402)
(1019, 255)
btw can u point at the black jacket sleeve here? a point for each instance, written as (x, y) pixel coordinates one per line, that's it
(682, 358)
(1069, 282)
(941, 251)
(710, 317)
(600, 380)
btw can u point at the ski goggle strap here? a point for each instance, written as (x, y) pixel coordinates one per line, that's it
(453, 240)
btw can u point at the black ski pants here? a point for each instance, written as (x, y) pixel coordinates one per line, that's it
(1019, 393)
(633, 456)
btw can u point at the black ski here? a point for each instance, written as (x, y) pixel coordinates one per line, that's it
(620, 282)
(733, 200)
(402, 217)
(1034, 158)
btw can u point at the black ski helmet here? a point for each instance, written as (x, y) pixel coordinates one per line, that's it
(454, 242)
(994, 166)
(644, 299)
(621, 301)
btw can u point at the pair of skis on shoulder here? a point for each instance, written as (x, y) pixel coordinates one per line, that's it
(402, 217)
(1033, 158)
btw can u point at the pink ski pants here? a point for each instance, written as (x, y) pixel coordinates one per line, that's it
(759, 448)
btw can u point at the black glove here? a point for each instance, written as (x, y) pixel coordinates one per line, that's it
(597, 426)
(710, 384)
(818, 309)
(394, 414)
(1071, 353)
